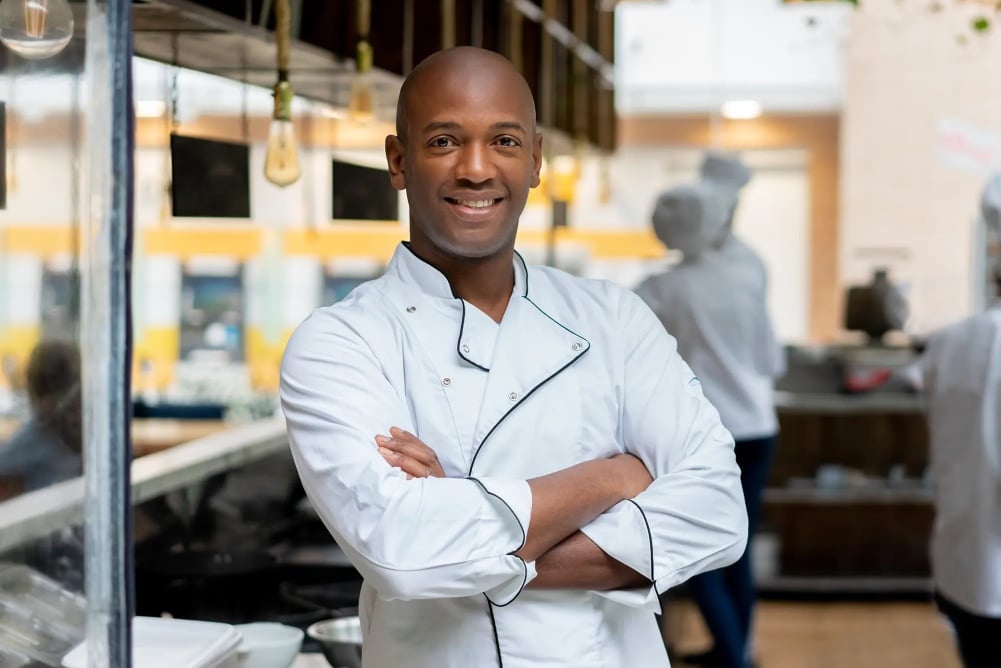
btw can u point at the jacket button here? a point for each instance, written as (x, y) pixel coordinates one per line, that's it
(465, 349)
(513, 396)
(577, 346)
(411, 309)
(446, 381)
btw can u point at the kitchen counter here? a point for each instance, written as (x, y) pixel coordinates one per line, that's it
(149, 435)
(30, 516)
(833, 403)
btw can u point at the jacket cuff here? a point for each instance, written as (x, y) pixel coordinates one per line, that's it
(516, 497)
(622, 532)
(506, 592)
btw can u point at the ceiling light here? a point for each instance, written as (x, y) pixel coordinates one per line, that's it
(741, 109)
(150, 108)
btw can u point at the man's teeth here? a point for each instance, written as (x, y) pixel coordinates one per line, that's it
(476, 204)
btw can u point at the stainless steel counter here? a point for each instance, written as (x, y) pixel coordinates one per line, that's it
(31, 516)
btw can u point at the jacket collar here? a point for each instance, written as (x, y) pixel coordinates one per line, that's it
(414, 271)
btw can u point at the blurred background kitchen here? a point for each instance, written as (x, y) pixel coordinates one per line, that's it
(869, 127)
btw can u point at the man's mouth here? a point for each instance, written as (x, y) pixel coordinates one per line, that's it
(472, 203)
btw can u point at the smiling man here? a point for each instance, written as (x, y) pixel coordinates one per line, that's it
(517, 461)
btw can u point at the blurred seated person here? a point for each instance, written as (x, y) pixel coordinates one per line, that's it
(47, 447)
(962, 379)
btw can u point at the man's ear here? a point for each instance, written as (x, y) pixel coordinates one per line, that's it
(395, 153)
(536, 159)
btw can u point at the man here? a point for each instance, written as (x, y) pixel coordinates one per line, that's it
(517, 461)
(962, 378)
(722, 327)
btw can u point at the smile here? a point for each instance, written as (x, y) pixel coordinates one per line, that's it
(473, 203)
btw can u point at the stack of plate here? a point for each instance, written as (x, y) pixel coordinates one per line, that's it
(173, 643)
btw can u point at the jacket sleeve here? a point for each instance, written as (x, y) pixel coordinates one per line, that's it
(410, 539)
(692, 517)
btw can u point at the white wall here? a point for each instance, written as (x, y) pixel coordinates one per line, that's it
(690, 55)
(920, 131)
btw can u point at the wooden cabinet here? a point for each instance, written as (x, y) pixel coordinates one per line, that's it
(848, 497)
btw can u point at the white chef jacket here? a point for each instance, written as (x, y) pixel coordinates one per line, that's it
(716, 306)
(962, 369)
(577, 370)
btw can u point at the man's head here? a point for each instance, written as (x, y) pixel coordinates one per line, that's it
(467, 152)
(53, 372)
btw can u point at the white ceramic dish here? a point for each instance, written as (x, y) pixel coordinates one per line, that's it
(268, 645)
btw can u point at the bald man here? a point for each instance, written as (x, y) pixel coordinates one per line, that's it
(516, 460)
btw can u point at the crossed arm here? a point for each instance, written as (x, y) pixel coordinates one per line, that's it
(562, 502)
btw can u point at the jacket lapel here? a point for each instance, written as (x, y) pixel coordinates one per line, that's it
(531, 349)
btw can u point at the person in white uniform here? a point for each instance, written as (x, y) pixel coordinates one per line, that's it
(720, 320)
(517, 461)
(962, 382)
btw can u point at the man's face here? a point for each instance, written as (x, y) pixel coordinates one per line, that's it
(467, 159)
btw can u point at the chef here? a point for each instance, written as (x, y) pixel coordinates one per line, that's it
(720, 319)
(517, 461)
(962, 378)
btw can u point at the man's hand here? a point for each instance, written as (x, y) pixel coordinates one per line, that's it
(408, 453)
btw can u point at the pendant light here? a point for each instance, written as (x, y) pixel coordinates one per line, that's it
(281, 166)
(361, 104)
(36, 29)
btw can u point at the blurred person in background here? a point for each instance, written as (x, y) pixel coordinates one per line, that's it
(47, 447)
(717, 312)
(962, 382)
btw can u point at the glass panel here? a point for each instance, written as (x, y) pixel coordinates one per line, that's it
(42, 608)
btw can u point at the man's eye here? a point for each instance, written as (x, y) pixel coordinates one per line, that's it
(508, 141)
(440, 142)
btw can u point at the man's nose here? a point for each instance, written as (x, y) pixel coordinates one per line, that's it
(475, 164)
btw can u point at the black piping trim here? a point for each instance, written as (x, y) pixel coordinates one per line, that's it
(524, 534)
(493, 626)
(511, 410)
(462, 326)
(532, 391)
(649, 533)
(524, 581)
(539, 308)
(524, 268)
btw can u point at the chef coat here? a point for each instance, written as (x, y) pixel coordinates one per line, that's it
(577, 370)
(723, 330)
(962, 369)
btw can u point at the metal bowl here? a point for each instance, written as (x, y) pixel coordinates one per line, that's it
(339, 640)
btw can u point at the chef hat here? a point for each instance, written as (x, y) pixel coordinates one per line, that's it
(690, 218)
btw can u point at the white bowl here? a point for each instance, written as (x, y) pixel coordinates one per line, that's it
(268, 645)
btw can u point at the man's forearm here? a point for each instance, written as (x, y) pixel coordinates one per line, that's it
(578, 563)
(564, 501)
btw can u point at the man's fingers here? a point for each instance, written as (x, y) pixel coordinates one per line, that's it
(412, 467)
(410, 449)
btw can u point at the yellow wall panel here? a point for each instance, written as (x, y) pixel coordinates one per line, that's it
(242, 242)
(154, 358)
(45, 240)
(16, 344)
(374, 240)
(264, 359)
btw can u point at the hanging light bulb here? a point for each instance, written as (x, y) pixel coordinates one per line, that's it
(36, 29)
(361, 104)
(281, 166)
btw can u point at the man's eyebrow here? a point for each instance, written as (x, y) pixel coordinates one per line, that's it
(438, 126)
(441, 125)
(509, 125)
